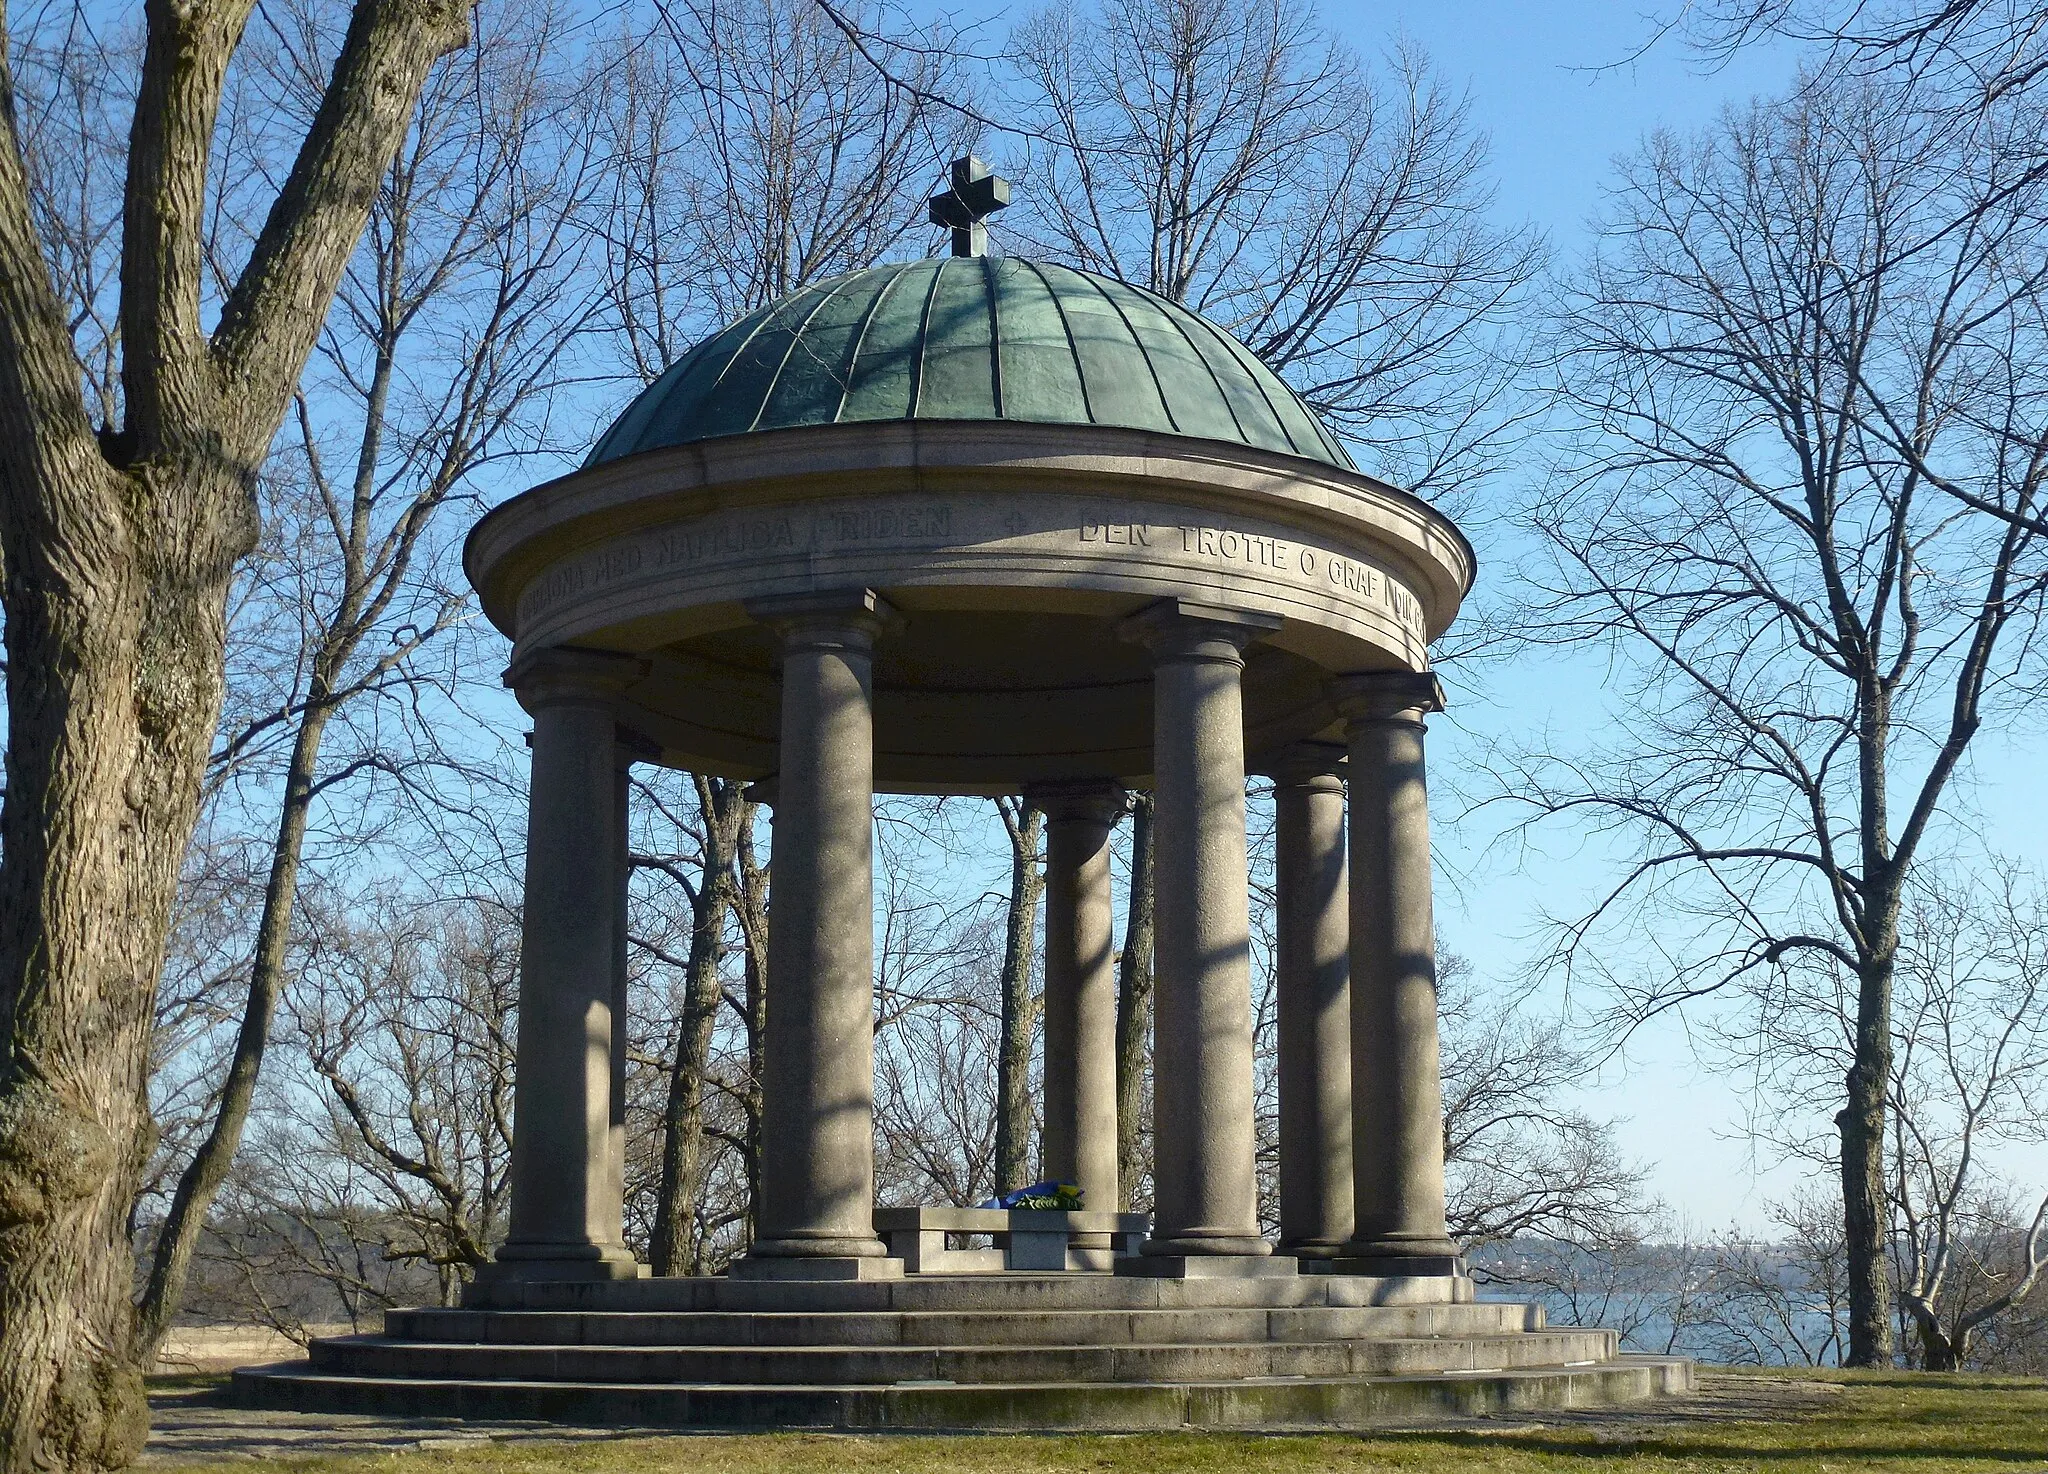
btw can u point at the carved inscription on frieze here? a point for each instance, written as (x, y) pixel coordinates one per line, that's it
(715, 540)
(738, 538)
(1260, 551)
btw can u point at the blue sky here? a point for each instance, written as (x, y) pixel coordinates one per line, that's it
(1560, 90)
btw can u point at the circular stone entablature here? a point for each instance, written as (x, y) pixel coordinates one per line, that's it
(1016, 459)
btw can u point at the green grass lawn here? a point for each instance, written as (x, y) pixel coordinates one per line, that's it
(1878, 1421)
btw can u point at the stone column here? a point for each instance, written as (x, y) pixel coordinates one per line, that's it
(816, 1215)
(631, 749)
(622, 845)
(1313, 964)
(565, 1219)
(1397, 1120)
(1205, 1190)
(1080, 993)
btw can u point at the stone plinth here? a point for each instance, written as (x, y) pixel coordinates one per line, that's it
(974, 1351)
(1025, 1239)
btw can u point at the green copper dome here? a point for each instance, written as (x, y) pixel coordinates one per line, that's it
(971, 338)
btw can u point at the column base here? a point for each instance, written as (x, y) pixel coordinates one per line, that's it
(1198, 1243)
(1205, 1266)
(1313, 1248)
(1422, 1257)
(557, 1263)
(834, 1267)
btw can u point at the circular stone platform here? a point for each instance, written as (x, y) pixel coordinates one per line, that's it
(980, 1351)
(986, 526)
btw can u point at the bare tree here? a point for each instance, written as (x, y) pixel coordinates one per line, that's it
(1519, 1161)
(1134, 1016)
(1969, 1064)
(1783, 1300)
(1233, 156)
(375, 1171)
(220, 896)
(405, 1017)
(1997, 46)
(454, 316)
(1648, 1282)
(1021, 1003)
(942, 956)
(755, 151)
(755, 879)
(121, 534)
(1733, 1297)
(1806, 634)
(724, 811)
(692, 1130)
(936, 1048)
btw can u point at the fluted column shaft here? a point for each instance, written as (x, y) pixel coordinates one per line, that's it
(1080, 990)
(818, 1158)
(1313, 983)
(1397, 1125)
(1205, 1187)
(565, 1214)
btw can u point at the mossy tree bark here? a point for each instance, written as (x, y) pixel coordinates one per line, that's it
(119, 545)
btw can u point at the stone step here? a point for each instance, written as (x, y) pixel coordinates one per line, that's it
(956, 1328)
(378, 1356)
(1290, 1402)
(993, 1292)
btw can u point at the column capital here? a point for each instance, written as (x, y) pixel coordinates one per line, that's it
(560, 673)
(1381, 696)
(763, 791)
(833, 616)
(1183, 629)
(1097, 800)
(1304, 764)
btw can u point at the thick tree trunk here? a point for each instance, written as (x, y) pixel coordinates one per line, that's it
(682, 1143)
(1134, 1008)
(1014, 1168)
(113, 689)
(1939, 1353)
(1865, 1204)
(119, 548)
(203, 1175)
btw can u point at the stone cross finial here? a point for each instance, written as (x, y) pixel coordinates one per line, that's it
(976, 193)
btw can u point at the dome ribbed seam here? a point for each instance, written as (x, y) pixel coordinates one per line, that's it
(995, 334)
(1173, 318)
(827, 291)
(860, 337)
(1073, 348)
(924, 337)
(1138, 343)
(1230, 348)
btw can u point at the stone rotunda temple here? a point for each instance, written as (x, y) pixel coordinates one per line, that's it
(983, 525)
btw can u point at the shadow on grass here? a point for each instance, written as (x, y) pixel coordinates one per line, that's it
(1708, 1448)
(185, 1384)
(1938, 1381)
